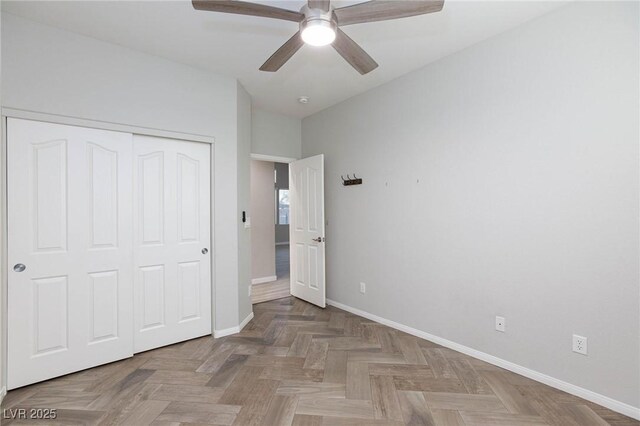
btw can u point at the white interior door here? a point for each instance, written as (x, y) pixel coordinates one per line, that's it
(172, 259)
(70, 249)
(306, 194)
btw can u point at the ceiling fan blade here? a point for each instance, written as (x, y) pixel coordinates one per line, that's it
(246, 8)
(354, 54)
(383, 10)
(282, 55)
(318, 4)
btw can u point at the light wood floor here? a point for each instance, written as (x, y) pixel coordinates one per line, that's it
(296, 364)
(282, 261)
(275, 289)
(270, 291)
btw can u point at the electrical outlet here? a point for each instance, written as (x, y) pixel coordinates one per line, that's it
(580, 344)
(501, 324)
(363, 288)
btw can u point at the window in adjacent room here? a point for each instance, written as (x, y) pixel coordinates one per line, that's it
(282, 198)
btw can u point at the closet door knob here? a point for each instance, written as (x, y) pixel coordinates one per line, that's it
(19, 267)
(205, 250)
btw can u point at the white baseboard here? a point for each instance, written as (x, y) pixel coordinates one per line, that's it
(3, 393)
(245, 322)
(283, 243)
(233, 330)
(263, 280)
(226, 332)
(605, 401)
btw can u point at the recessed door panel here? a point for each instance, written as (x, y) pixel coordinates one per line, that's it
(313, 266)
(151, 197)
(103, 196)
(189, 290)
(49, 190)
(152, 283)
(300, 257)
(103, 300)
(69, 237)
(188, 199)
(312, 200)
(300, 222)
(50, 323)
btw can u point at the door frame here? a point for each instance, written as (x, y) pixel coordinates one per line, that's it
(273, 159)
(94, 124)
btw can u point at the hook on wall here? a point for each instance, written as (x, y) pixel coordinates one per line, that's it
(351, 180)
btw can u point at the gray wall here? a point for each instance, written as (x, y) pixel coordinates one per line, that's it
(282, 182)
(280, 136)
(501, 180)
(263, 253)
(57, 72)
(275, 134)
(244, 201)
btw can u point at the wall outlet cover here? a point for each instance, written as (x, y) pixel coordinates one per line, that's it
(363, 288)
(580, 344)
(501, 324)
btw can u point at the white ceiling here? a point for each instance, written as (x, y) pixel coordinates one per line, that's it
(235, 45)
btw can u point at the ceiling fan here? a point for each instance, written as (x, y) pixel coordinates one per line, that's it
(320, 24)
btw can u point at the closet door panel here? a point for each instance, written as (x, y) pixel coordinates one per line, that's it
(172, 248)
(70, 251)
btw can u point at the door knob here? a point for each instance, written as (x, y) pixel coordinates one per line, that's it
(19, 267)
(318, 240)
(205, 250)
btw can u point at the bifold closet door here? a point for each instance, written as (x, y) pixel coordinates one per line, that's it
(172, 249)
(70, 297)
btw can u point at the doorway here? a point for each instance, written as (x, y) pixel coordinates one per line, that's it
(270, 254)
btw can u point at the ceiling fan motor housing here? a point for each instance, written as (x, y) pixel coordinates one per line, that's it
(318, 18)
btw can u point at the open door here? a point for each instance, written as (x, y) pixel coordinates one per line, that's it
(306, 229)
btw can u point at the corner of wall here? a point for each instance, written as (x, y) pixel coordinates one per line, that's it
(275, 134)
(244, 114)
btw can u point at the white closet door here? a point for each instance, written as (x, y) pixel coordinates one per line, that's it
(172, 259)
(70, 225)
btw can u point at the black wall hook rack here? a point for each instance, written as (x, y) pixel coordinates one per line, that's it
(351, 181)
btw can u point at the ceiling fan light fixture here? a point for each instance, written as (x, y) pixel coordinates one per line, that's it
(320, 24)
(318, 32)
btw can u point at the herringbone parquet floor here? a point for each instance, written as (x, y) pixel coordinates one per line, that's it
(301, 365)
